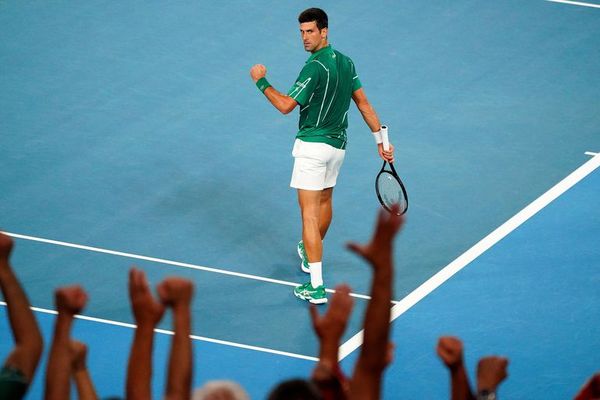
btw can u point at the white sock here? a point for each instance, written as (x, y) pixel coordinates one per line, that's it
(316, 274)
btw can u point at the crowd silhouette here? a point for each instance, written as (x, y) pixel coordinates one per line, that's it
(67, 357)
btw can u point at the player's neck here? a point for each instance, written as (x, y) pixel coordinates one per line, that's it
(321, 45)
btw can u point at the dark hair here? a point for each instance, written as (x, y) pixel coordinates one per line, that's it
(314, 14)
(295, 389)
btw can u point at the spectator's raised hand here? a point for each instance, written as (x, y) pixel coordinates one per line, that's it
(147, 312)
(145, 308)
(378, 252)
(491, 371)
(175, 291)
(70, 300)
(450, 350)
(78, 355)
(79, 371)
(28, 342)
(331, 326)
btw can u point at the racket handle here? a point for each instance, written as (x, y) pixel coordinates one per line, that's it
(385, 138)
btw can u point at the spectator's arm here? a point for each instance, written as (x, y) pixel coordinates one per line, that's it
(28, 339)
(591, 389)
(491, 371)
(177, 293)
(147, 313)
(373, 358)
(80, 373)
(450, 350)
(329, 328)
(69, 301)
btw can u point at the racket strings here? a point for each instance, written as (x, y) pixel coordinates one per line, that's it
(390, 191)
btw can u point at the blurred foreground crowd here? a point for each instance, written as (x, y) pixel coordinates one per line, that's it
(67, 356)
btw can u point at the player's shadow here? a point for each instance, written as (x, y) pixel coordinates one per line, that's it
(253, 226)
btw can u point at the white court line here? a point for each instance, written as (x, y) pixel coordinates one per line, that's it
(590, 153)
(463, 260)
(168, 262)
(167, 332)
(575, 3)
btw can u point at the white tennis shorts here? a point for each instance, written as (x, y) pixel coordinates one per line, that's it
(316, 165)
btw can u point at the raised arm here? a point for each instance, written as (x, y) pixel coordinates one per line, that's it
(177, 293)
(491, 371)
(28, 339)
(80, 373)
(330, 328)
(285, 104)
(450, 351)
(69, 301)
(372, 120)
(147, 313)
(373, 358)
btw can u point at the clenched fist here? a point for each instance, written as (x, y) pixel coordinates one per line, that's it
(258, 71)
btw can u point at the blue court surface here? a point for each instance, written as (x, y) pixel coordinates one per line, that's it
(131, 134)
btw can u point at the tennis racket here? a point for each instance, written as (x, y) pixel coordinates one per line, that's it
(388, 185)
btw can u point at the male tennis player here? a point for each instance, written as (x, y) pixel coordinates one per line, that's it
(323, 90)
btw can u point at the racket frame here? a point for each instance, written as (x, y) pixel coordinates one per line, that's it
(397, 178)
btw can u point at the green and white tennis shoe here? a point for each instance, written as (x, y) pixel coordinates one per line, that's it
(302, 253)
(314, 295)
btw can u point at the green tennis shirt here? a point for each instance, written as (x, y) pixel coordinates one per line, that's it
(323, 90)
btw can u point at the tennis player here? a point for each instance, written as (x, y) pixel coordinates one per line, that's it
(323, 91)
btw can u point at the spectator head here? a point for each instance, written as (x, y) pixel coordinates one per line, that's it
(295, 389)
(221, 390)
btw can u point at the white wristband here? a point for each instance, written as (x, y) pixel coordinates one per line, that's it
(377, 136)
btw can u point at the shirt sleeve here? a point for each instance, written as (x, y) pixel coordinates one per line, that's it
(306, 84)
(356, 84)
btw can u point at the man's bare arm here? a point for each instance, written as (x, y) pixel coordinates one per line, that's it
(367, 111)
(450, 350)
(372, 120)
(285, 104)
(147, 312)
(177, 293)
(367, 377)
(69, 301)
(28, 338)
(80, 373)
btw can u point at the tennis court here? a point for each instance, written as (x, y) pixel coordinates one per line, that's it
(131, 134)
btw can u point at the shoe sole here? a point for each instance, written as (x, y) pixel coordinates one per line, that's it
(318, 301)
(311, 300)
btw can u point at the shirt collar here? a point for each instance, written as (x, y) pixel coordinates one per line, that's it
(318, 52)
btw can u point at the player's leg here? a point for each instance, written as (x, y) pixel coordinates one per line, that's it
(326, 211)
(310, 209)
(308, 178)
(335, 160)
